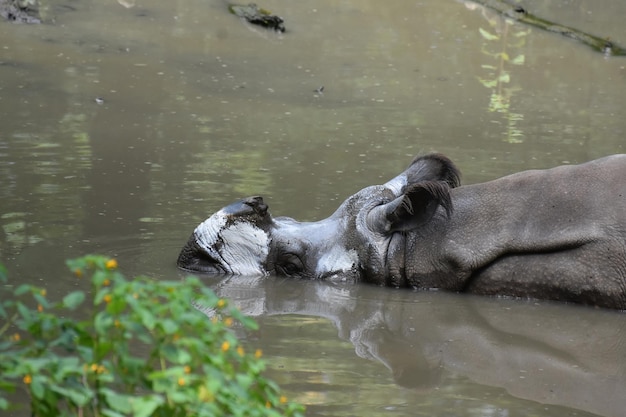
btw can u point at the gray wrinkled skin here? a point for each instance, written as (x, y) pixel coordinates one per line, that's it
(555, 234)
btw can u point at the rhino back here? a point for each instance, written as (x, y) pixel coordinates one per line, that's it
(557, 234)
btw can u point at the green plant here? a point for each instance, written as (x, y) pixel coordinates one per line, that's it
(141, 350)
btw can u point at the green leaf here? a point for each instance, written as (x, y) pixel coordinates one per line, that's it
(37, 387)
(118, 402)
(487, 35)
(176, 355)
(86, 352)
(169, 326)
(23, 289)
(103, 323)
(488, 83)
(117, 305)
(26, 313)
(245, 320)
(110, 413)
(99, 277)
(245, 380)
(177, 397)
(518, 60)
(147, 318)
(145, 406)
(78, 397)
(104, 347)
(73, 299)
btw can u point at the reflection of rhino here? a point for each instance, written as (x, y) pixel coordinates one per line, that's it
(552, 354)
(556, 234)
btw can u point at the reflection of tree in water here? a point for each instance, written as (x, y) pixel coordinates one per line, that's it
(502, 45)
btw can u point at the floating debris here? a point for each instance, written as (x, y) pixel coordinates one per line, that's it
(257, 16)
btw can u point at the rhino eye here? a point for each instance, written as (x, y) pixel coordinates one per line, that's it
(289, 264)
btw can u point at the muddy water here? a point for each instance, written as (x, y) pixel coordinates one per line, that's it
(123, 127)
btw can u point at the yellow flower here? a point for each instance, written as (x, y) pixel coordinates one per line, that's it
(283, 399)
(117, 323)
(106, 282)
(135, 296)
(43, 292)
(258, 353)
(268, 404)
(228, 321)
(221, 303)
(16, 337)
(27, 379)
(39, 308)
(78, 272)
(107, 298)
(225, 346)
(181, 381)
(98, 369)
(111, 264)
(187, 369)
(240, 351)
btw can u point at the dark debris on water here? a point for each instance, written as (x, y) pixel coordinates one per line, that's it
(257, 16)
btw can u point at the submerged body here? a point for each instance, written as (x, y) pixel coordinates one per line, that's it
(555, 234)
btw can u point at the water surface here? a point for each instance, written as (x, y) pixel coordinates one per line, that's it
(196, 109)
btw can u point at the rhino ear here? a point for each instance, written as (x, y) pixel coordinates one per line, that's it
(433, 167)
(415, 207)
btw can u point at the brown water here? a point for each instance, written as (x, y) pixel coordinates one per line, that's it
(200, 109)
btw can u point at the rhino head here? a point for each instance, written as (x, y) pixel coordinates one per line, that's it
(362, 241)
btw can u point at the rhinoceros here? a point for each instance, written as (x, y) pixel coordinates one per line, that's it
(555, 234)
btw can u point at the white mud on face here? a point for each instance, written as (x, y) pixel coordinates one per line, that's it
(241, 247)
(337, 261)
